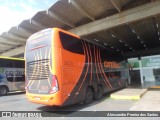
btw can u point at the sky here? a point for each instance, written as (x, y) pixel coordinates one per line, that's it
(13, 12)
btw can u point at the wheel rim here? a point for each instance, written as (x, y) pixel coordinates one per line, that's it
(89, 96)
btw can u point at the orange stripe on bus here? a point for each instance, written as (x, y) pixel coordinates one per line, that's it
(103, 71)
(86, 71)
(96, 63)
(99, 65)
(90, 63)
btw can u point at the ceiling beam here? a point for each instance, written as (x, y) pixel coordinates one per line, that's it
(157, 24)
(143, 52)
(121, 38)
(132, 27)
(17, 35)
(5, 46)
(59, 18)
(13, 52)
(128, 16)
(14, 36)
(80, 9)
(27, 26)
(2, 49)
(21, 29)
(116, 4)
(8, 41)
(36, 23)
(102, 40)
(5, 43)
(14, 30)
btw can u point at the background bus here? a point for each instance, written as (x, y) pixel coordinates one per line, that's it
(64, 69)
(11, 74)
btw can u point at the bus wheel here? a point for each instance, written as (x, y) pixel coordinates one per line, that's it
(99, 93)
(88, 96)
(3, 90)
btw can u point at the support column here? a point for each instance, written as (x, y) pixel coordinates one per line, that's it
(141, 72)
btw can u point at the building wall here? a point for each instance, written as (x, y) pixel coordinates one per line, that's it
(149, 69)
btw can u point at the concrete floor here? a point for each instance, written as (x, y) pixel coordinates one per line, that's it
(150, 101)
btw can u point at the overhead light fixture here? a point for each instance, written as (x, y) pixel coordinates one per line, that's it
(142, 42)
(159, 38)
(96, 40)
(105, 44)
(112, 47)
(158, 33)
(130, 48)
(138, 37)
(133, 31)
(120, 40)
(117, 50)
(157, 25)
(113, 36)
(125, 44)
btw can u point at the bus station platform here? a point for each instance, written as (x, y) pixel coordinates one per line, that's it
(129, 93)
(149, 102)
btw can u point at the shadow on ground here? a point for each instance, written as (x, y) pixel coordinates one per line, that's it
(72, 110)
(14, 93)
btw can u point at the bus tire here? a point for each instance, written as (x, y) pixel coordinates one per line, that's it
(3, 90)
(99, 93)
(88, 96)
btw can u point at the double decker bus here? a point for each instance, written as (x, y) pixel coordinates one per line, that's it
(12, 77)
(64, 69)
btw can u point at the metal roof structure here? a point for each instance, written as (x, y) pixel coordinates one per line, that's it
(131, 27)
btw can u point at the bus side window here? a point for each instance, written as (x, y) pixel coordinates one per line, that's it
(7, 66)
(18, 64)
(6, 63)
(71, 43)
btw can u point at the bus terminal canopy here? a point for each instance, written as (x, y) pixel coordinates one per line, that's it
(130, 27)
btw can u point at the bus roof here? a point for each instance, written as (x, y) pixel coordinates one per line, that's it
(58, 29)
(11, 58)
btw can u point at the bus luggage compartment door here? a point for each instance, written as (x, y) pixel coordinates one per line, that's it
(67, 82)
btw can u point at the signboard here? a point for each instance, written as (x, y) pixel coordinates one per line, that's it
(151, 62)
(134, 63)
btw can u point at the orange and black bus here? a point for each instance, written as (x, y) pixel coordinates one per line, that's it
(64, 69)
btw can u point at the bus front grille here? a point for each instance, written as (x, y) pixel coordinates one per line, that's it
(38, 70)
